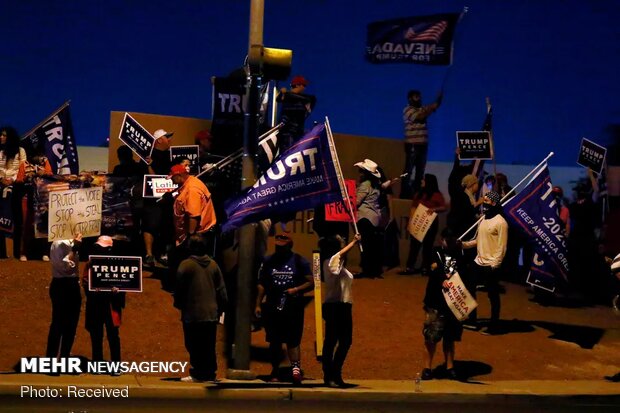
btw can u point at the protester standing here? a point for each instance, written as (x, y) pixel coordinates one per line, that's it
(440, 322)
(65, 296)
(337, 310)
(283, 279)
(103, 309)
(415, 116)
(296, 107)
(429, 196)
(200, 294)
(490, 242)
(369, 218)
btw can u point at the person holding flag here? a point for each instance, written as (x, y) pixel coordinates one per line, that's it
(490, 242)
(416, 140)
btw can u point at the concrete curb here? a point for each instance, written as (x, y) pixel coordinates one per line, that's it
(149, 387)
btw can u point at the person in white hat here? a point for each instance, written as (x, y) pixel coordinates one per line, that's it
(369, 217)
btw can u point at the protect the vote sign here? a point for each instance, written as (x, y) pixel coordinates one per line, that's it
(188, 151)
(155, 186)
(474, 145)
(592, 155)
(106, 272)
(136, 137)
(74, 211)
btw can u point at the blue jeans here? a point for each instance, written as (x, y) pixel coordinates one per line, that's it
(415, 164)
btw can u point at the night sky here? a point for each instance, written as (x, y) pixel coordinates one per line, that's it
(548, 66)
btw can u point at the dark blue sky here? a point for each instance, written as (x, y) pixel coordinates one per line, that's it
(549, 66)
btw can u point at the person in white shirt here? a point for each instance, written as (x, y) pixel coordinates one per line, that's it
(490, 242)
(337, 310)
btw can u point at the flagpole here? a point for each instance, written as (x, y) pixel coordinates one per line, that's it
(54, 113)
(536, 168)
(239, 152)
(343, 187)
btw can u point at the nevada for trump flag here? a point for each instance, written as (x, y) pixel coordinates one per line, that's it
(422, 39)
(54, 138)
(302, 177)
(534, 211)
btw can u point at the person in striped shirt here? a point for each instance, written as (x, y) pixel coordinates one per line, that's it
(416, 140)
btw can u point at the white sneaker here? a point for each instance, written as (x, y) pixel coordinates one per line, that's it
(23, 258)
(190, 379)
(45, 258)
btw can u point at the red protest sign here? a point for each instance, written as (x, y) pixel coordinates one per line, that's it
(339, 211)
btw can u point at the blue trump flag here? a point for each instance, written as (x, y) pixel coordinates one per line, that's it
(54, 138)
(302, 177)
(535, 212)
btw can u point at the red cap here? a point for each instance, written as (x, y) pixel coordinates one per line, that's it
(177, 170)
(299, 80)
(203, 135)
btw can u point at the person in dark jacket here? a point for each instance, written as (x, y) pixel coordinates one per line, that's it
(103, 309)
(201, 296)
(440, 323)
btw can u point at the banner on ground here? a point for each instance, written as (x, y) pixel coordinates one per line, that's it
(302, 177)
(592, 155)
(474, 145)
(188, 151)
(6, 210)
(54, 138)
(458, 298)
(339, 211)
(422, 39)
(106, 272)
(534, 211)
(420, 221)
(74, 211)
(155, 186)
(136, 137)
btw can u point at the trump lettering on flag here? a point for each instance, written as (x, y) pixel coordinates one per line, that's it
(301, 178)
(535, 213)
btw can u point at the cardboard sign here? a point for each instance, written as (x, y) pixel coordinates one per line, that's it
(136, 137)
(592, 155)
(74, 211)
(106, 272)
(420, 221)
(155, 186)
(339, 211)
(457, 297)
(188, 151)
(474, 145)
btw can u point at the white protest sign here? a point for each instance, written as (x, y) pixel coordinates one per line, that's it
(460, 301)
(420, 221)
(74, 211)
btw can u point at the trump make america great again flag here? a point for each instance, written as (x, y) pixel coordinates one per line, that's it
(302, 177)
(423, 40)
(535, 212)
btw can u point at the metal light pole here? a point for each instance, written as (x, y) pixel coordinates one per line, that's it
(247, 234)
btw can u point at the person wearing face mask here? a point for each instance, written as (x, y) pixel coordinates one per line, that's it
(416, 140)
(490, 242)
(283, 279)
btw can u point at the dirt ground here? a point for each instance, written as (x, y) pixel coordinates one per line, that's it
(539, 342)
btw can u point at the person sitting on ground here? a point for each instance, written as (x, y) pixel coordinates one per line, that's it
(440, 322)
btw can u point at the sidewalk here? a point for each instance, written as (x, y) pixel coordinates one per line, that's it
(150, 387)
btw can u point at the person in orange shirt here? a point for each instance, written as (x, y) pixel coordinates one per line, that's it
(193, 214)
